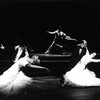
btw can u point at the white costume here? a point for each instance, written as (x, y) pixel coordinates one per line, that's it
(13, 80)
(80, 75)
(20, 50)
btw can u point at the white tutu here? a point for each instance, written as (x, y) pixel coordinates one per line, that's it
(13, 84)
(13, 79)
(81, 79)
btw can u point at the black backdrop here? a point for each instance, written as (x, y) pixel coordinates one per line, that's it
(29, 20)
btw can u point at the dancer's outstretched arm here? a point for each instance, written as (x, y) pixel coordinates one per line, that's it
(53, 32)
(95, 60)
(92, 56)
(69, 38)
(36, 66)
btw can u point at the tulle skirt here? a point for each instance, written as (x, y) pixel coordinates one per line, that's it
(13, 84)
(83, 78)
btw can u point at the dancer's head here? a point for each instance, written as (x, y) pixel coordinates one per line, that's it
(35, 59)
(61, 33)
(83, 44)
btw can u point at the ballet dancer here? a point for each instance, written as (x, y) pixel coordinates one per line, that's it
(58, 41)
(80, 75)
(13, 80)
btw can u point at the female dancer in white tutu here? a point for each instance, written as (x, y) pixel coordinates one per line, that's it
(80, 75)
(13, 80)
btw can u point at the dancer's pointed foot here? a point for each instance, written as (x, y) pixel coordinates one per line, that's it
(47, 52)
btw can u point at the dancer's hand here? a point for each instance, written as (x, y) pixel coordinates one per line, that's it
(93, 55)
(46, 69)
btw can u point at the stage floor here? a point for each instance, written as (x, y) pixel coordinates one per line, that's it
(47, 88)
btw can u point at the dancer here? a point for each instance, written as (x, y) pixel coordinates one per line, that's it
(58, 44)
(13, 80)
(80, 75)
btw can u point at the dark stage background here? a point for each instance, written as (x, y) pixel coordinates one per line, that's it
(29, 20)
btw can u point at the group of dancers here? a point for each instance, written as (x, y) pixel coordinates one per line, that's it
(13, 80)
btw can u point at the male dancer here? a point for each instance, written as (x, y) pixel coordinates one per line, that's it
(58, 45)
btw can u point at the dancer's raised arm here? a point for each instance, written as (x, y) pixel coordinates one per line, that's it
(26, 52)
(19, 52)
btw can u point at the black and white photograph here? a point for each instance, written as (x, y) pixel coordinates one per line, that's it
(49, 50)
